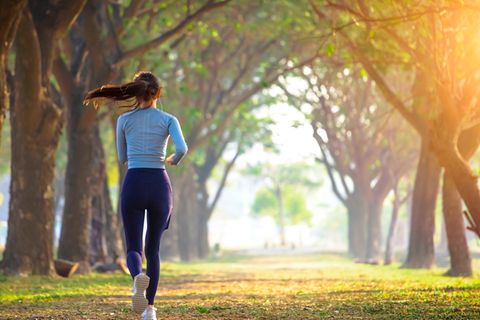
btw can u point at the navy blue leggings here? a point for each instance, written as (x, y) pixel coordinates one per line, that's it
(145, 189)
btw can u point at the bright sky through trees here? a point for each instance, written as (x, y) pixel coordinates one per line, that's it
(292, 133)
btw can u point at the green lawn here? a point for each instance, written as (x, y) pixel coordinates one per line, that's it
(279, 287)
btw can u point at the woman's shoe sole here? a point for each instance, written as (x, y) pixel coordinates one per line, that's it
(139, 302)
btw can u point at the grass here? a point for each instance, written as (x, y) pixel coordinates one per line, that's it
(267, 287)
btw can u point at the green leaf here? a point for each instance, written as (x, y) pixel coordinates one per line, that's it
(330, 49)
(363, 73)
(215, 34)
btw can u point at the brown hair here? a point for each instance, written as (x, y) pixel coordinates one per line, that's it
(145, 86)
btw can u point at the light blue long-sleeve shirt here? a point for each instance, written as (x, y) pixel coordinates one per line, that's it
(142, 138)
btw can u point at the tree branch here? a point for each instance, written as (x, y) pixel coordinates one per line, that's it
(226, 172)
(161, 39)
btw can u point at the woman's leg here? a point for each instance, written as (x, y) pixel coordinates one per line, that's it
(133, 228)
(157, 215)
(133, 215)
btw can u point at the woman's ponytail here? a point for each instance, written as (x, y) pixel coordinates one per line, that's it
(145, 86)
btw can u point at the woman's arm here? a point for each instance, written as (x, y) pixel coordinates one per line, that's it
(181, 147)
(121, 142)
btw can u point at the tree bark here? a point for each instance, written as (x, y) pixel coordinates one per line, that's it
(466, 182)
(113, 231)
(97, 242)
(97, 251)
(205, 205)
(281, 215)
(102, 202)
(106, 241)
(357, 226)
(36, 126)
(74, 243)
(460, 259)
(442, 246)
(203, 243)
(421, 251)
(357, 220)
(379, 192)
(203, 217)
(391, 230)
(84, 169)
(169, 244)
(374, 232)
(9, 18)
(84, 192)
(187, 218)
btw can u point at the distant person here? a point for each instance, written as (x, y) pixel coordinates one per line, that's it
(142, 137)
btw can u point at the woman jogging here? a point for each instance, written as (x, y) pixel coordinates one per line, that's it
(142, 137)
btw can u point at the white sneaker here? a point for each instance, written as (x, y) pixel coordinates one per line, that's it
(149, 314)
(140, 284)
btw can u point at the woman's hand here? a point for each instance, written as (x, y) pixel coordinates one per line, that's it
(169, 160)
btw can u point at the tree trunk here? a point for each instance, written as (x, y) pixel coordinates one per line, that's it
(442, 246)
(357, 227)
(74, 244)
(465, 181)
(203, 243)
(281, 215)
(29, 246)
(460, 259)
(102, 203)
(374, 232)
(421, 250)
(169, 244)
(113, 231)
(203, 217)
(35, 130)
(391, 230)
(9, 18)
(187, 219)
(97, 242)
(205, 205)
(86, 163)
